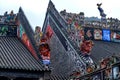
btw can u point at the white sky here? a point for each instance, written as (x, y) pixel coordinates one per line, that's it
(35, 10)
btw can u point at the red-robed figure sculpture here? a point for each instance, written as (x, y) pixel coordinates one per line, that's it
(86, 47)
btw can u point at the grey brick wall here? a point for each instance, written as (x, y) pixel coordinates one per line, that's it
(62, 61)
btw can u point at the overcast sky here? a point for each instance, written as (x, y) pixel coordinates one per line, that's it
(35, 10)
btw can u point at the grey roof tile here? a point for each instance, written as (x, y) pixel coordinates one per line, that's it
(14, 55)
(104, 49)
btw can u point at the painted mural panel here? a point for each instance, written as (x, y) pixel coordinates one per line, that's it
(115, 36)
(88, 34)
(23, 36)
(101, 34)
(97, 34)
(106, 35)
(49, 32)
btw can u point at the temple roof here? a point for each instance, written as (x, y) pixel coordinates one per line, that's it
(14, 55)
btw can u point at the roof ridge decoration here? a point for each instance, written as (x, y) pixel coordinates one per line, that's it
(58, 25)
(8, 24)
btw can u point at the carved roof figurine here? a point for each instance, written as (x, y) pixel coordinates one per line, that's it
(38, 35)
(102, 14)
(86, 47)
(99, 4)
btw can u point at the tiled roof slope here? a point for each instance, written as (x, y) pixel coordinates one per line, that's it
(58, 77)
(14, 55)
(104, 49)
